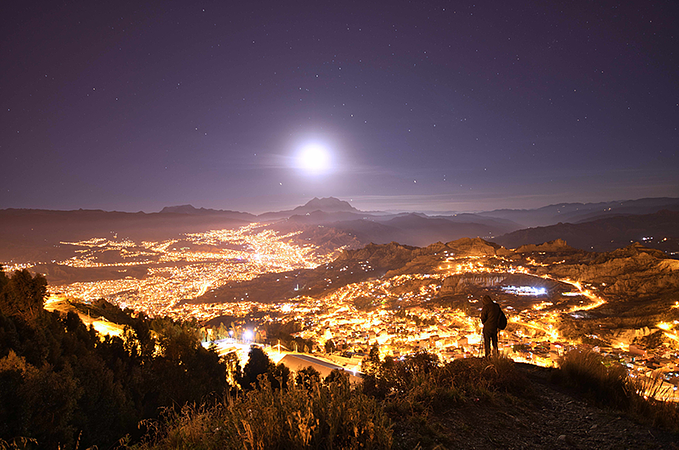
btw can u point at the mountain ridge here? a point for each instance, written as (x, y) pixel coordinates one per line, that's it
(659, 230)
(35, 234)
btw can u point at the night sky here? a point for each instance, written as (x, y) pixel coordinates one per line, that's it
(448, 106)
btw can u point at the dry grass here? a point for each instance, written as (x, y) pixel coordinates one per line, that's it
(406, 398)
(421, 380)
(320, 416)
(311, 414)
(417, 390)
(611, 385)
(651, 404)
(19, 443)
(607, 385)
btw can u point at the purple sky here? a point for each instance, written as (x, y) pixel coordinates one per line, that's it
(421, 105)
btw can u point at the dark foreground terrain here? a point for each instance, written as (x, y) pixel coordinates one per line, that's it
(418, 403)
(548, 415)
(62, 385)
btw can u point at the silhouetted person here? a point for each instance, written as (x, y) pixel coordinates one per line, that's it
(490, 315)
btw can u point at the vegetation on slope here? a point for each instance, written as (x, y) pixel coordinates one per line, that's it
(610, 385)
(62, 383)
(64, 386)
(417, 402)
(307, 414)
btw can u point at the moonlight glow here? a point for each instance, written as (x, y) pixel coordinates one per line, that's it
(314, 159)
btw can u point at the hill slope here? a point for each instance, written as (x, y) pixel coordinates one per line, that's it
(577, 212)
(35, 234)
(659, 230)
(548, 415)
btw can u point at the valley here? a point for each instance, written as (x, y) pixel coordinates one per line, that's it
(345, 295)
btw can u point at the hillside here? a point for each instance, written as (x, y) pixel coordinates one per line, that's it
(28, 235)
(416, 400)
(546, 414)
(635, 271)
(381, 228)
(472, 403)
(35, 234)
(658, 230)
(577, 212)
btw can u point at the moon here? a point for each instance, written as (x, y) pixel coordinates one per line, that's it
(314, 159)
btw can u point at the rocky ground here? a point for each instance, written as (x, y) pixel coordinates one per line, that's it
(550, 416)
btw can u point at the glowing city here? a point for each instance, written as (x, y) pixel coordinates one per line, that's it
(402, 313)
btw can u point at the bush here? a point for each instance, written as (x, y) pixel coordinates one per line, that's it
(658, 411)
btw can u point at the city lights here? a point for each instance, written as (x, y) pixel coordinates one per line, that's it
(525, 290)
(175, 274)
(402, 313)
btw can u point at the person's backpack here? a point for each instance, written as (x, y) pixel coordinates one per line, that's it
(502, 320)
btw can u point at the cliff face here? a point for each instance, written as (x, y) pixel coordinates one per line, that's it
(558, 245)
(459, 248)
(386, 257)
(478, 283)
(461, 284)
(473, 247)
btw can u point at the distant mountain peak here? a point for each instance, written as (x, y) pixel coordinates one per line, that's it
(181, 209)
(327, 204)
(193, 211)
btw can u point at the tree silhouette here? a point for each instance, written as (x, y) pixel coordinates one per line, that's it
(233, 370)
(23, 295)
(308, 377)
(62, 383)
(258, 364)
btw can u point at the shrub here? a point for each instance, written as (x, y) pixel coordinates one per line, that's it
(63, 385)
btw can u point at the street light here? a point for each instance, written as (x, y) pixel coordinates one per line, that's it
(247, 335)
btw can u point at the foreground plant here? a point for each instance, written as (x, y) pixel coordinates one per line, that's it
(314, 414)
(611, 385)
